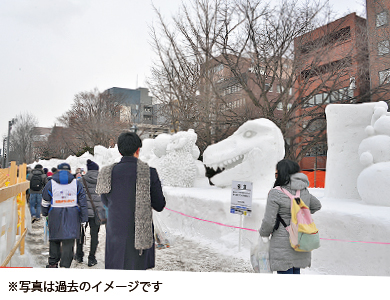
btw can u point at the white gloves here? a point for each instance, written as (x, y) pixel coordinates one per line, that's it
(265, 239)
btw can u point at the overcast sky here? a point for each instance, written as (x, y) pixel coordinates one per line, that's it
(53, 49)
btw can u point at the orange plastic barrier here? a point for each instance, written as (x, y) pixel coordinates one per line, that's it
(319, 181)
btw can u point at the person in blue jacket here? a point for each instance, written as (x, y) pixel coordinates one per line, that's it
(65, 204)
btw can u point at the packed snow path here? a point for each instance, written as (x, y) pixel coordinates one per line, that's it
(183, 255)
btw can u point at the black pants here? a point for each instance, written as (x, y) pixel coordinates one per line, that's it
(94, 231)
(61, 250)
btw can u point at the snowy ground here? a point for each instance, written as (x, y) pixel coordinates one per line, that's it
(200, 246)
(183, 255)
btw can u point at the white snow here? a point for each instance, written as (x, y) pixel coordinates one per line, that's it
(353, 232)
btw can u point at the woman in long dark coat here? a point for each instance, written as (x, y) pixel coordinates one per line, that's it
(120, 199)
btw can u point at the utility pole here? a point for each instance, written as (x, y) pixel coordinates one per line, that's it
(10, 123)
(4, 153)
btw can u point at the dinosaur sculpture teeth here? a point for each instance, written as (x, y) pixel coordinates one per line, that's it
(228, 163)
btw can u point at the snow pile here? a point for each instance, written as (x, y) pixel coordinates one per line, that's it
(102, 156)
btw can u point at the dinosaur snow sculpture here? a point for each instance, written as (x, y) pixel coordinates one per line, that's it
(374, 151)
(250, 154)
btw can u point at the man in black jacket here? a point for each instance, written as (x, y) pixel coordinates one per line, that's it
(38, 180)
(89, 182)
(125, 186)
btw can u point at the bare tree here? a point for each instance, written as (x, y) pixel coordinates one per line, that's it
(282, 78)
(21, 139)
(181, 77)
(94, 119)
(254, 59)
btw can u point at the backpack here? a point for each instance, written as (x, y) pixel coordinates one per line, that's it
(304, 236)
(36, 182)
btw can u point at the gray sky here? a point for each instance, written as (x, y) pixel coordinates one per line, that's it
(52, 50)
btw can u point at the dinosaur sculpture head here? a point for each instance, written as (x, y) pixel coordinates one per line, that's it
(250, 154)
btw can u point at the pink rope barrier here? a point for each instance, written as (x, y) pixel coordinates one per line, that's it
(210, 221)
(249, 229)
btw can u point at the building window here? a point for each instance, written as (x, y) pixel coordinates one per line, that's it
(341, 35)
(232, 89)
(279, 88)
(334, 66)
(334, 96)
(279, 106)
(268, 87)
(147, 109)
(384, 76)
(310, 102)
(318, 99)
(383, 47)
(259, 70)
(381, 19)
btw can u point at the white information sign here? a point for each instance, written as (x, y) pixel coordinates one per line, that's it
(241, 198)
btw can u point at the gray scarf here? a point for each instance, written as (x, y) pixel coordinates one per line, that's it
(143, 209)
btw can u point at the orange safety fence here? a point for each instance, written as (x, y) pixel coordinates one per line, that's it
(316, 178)
(12, 211)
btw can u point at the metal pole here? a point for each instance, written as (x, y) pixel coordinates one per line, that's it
(9, 133)
(3, 156)
(239, 232)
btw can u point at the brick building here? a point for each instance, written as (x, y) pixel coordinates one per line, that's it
(230, 97)
(378, 29)
(333, 68)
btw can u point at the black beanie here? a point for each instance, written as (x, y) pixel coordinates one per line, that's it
(92, 165)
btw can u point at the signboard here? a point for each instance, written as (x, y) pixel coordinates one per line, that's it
(241, 198)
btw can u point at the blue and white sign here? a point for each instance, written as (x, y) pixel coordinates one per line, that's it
(241, 198)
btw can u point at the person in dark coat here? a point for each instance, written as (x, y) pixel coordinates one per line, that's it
(35, 197)
(65, 205)
(130, 189)
(90, 180)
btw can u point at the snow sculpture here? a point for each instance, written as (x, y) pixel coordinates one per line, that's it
(346, 125)
(250, 154)
(374, 152)
(154, 149)
(106, 156)
(176, 159)
(146, 153)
